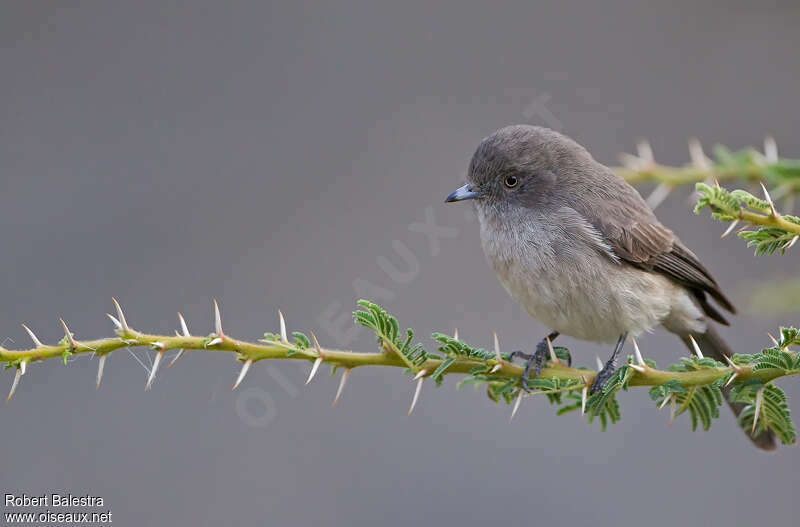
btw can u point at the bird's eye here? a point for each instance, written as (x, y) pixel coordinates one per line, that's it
(511, 181)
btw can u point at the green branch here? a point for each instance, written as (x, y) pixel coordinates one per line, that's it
(489, 368)
(747, 165)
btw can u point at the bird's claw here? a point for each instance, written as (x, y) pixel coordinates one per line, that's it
(602, 376)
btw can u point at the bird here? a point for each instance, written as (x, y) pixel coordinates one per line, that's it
(580, 250)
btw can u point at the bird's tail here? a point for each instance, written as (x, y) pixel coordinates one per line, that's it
(712, 345)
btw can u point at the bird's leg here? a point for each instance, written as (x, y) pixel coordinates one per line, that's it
(608, 370)
(534, 360)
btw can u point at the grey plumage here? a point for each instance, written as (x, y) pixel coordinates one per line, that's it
(579, 248)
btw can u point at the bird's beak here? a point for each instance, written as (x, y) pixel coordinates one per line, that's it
(462, 193)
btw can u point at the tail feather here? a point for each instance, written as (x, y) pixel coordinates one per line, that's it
(712, 345)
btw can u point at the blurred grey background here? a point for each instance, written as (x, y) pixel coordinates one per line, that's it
(277, 155)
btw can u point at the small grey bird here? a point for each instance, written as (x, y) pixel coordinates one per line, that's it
(581, 251)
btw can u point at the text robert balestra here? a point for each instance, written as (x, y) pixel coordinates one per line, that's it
(53, 500)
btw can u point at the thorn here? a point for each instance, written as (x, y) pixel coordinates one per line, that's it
(716, 183)
(121, 316)
(696, 348)
(14, 384)
(553, 357)
(184, 327)
(33, 337)
(516, 405)
(770, 149)
(584, 396)
(769, 199)
(791, 242)
(218, 321)
(115, 321)
(284, 339)
(420, 374)
(455, 334)
(696, 154)
(242, 373)
(637, 368)
(185, 331)
(420, 380)
(497, 356)
(665, 401)
(630, 161)
(730, 228)
(176, 357)
(342, 382)
(774, 340)
(320, 353)
(759, 400)
(658, 195)
(72, 344)
(100, 365)
(214, 342)
(645, 152)
(153, 370)
(23, 365)
(671, 409)
(599, 363)
(314, 369)
(638, 354)
(732, 377)
(735, 367)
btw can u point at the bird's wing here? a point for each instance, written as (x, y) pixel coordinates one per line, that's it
(638, 238)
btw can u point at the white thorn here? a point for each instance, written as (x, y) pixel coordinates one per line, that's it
(284, 338)
(120, 316)
(184, 327)
(455, 334)
(759, 400)
(584, 396)
(153, 370)
(696, 348)
(770, 149)
(630, 161)
(769, 199)
(671, 409)
(730, 380)
(516, 405)
(420, 374)
(68, 334)
(101, 364)
(176, 357)
(23, 366)
(497, 356)
(658, 195)
(696, 154)
(314, 369)
(730, 228)
(638, 354)
(416, 394)
(317, 347)
(242, 373)
(599, 363)
(774, 340)
(553, 357)
(33, 337)
(217, 320)
(645, 152)
(14, 384)
(342, 382)
(792, 242)
(637, 368)
(735, 367)
(214, 342)
(114, 320)
(665, 401)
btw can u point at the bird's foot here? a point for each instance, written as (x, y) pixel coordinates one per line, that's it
(602, 376)
(533, 362)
